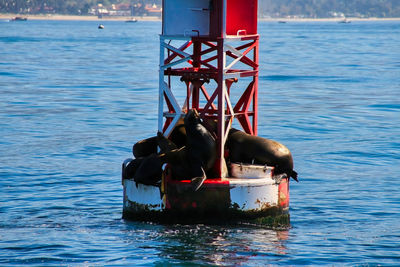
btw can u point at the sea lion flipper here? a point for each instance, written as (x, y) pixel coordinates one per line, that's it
(294, 176)
(197, 182)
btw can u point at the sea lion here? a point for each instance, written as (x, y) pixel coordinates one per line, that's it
(178, 134)
(148, 146)
(201, 148)
(145, 147)
(128, 172)
(200, 143)
(150, 170)
(164, 143)
(247, 148)
(189, 162)
(147, 169)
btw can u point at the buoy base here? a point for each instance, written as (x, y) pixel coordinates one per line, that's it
(261, 201)
(273, 218)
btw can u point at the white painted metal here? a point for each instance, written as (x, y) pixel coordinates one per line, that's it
(235, 52)
(230, 107)
(224, 18)
(186, 17)
(175, 104)
(221, 106)
(251, 171)
(176, 50)
(142, 194)
(254, 194)
(161, 86)
(245, 194)
(164, 87)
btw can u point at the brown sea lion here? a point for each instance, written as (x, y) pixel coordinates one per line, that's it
(150, 170)
(200, 143)
(247, 148)
(149, 146)
(189, 162)
(201, 148)
(145, 147)
(178, 134)
(129, 168)
(147, 169)
(164, 143)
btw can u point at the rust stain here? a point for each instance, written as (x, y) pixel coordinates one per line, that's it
(262, 205)
(282, 197)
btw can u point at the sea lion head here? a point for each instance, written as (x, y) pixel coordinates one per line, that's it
(192, 117)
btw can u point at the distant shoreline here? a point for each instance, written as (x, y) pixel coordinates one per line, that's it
(77, 18)
(326, 19)
(149, 18)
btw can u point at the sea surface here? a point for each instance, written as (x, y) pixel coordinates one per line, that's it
(74, 99)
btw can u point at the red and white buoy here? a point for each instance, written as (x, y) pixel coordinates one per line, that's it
(209, 62)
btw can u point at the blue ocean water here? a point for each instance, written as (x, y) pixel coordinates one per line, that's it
(74, 99)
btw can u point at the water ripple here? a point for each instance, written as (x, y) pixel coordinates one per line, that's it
(75, 99)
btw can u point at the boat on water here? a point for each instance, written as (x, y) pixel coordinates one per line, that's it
(132, 20)
(200, 45)
(19, 19)
(344, 21)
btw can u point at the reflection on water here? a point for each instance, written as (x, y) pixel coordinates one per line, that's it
(211, 244)
(216, 245)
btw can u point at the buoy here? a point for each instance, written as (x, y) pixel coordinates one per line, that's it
(205, 42)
